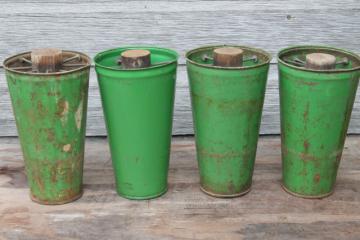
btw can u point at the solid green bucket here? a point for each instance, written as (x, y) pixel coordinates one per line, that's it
(315, 109)
(138, 108)
(50, 112)
(227, 105)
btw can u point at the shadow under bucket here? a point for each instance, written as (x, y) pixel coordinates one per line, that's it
(227, 106)
(50, 112)
(315, 105)
(138, 108)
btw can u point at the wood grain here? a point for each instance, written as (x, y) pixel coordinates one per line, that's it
(184, 212)
(92, 26)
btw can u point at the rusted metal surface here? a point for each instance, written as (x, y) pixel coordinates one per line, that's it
(227, 106)
(50, 112)
(316, 106)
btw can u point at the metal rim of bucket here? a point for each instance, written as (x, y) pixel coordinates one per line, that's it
(256, 50)
(42, 202)
(306, 196)
(225, 195)
(150, 48)
(14, 57)
(318, 47)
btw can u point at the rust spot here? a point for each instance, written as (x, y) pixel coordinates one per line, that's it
(53, 94)
(53, 174)
(41, 108)
(308, 83)
(38, 147)
(67, 169)
(78, 115)
(317, 178)
(308, 157)
(39, 182)
(67, 147)
(306, 113)
(306, 145)
(246, 157)
(62, 108)
(230, 154)
(249, 106)
(69, 194)
(50, 134)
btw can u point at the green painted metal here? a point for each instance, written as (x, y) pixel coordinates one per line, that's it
(50, 113)
(315, 112)
(227, 105)
(138, 107)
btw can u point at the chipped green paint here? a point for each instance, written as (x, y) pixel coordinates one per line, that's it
(315, 112)
(50, 113)
(138, 107)
(227, 105)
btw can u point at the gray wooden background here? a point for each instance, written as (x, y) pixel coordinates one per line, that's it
(91, 26)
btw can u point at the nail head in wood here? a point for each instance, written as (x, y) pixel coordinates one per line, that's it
(136, 58)
(320, 61)
(46, 60)
(228, 57)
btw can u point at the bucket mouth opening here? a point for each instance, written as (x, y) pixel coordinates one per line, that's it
(72, 62)
(252, 57)
(159, 57)
(295, 57)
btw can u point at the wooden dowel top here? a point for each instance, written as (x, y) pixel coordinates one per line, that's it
(228, 57)
(320, 61)
(136, 58)
(46, 60)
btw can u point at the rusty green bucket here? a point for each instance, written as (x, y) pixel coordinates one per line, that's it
(50, 113)
(316, 107)
(138, 108)
(227, 106)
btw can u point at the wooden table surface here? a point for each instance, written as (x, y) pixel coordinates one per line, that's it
(184, 212)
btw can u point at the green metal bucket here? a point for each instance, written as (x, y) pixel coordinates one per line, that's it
(227, 106)
(315, 109)
(50, 113)
(138, 108)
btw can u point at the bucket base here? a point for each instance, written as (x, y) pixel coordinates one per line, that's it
(76, 197)
(225, 195)
(306, 196)
(143, 197)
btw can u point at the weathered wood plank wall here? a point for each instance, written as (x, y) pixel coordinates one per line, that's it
(91, 26)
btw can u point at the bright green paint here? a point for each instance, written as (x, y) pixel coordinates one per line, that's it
(138, 108)
(50, 114)
(315, 112)
(227, 106)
